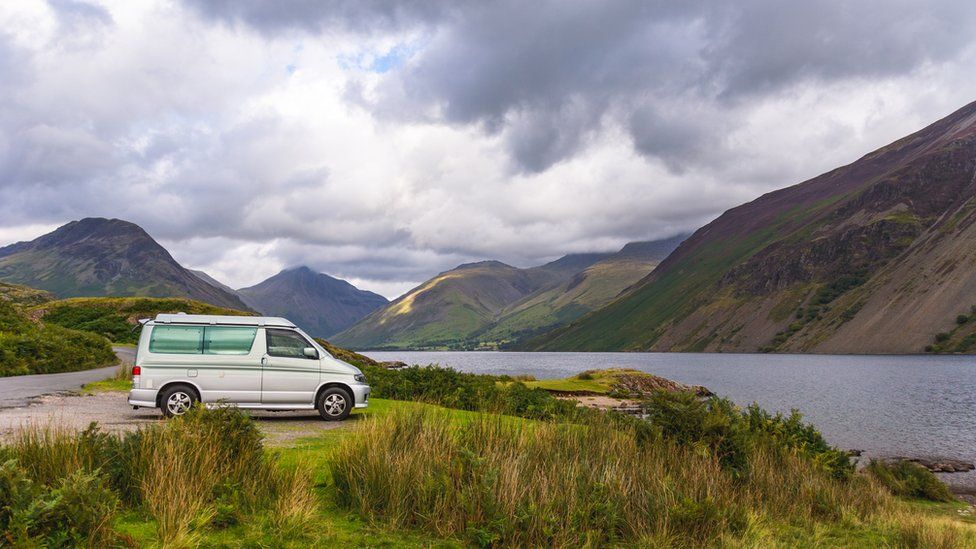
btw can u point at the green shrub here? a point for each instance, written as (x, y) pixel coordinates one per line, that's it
(942, 337)
(908, 479)
(962, 319)
(476, 392)
(78, 511)
(732, 434)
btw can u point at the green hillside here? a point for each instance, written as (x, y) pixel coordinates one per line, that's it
(491, 305)
(868, 258)
(447, 310)
(590, 289)
(117, 317)
(29, 346)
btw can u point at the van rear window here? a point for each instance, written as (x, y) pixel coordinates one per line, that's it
(211, 340)
(184, 340)
(227, 340)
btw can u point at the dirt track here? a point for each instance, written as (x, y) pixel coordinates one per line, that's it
(113, 414)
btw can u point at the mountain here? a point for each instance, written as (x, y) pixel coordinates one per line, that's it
(316, 302)
(105, 257)
(213, 281)
(872, 257)
(588, 289)
(490, 304)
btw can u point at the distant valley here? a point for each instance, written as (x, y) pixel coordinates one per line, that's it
(490, 305)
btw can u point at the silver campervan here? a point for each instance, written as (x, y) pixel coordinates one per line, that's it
(261, 363)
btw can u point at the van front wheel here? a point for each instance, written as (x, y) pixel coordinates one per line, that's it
(334, 404)
(177, 400)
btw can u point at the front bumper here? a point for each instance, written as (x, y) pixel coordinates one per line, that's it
(360, 394)
(144, 398)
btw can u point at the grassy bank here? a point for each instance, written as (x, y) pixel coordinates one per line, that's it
(413, 474)
(30, 346)
(116, 318)
(443, 458)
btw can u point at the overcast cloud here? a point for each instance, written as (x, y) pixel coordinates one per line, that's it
(384, 142)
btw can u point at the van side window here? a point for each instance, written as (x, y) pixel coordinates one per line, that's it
(286, 343)
(228, 340)
(176, 340)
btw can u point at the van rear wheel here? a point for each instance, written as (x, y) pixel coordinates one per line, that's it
(334, 404)
(177, 400)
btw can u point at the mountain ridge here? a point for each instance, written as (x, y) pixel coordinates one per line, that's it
(833, 264)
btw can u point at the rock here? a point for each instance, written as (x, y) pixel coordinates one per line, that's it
(939, 465)
(393, 364)
(855, 453)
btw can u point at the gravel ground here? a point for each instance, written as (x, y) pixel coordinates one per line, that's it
(113, 414)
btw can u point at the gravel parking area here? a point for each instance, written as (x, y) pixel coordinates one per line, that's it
(113, 414)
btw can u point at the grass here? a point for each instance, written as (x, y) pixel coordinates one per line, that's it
(522, 482)
(116, 318)
(121, 381)
(409, 474)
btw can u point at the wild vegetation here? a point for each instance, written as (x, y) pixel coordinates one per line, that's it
(116, 318)
(203, 472)
(28, 346)
(492, 481)
(961, 339)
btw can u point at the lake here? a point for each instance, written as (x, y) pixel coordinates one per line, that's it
(919, 406)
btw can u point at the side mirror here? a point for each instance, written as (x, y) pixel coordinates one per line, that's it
(310, 352)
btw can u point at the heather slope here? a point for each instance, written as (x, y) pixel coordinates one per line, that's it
(873, 257)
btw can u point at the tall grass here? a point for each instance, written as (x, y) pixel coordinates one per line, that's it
(495, 481)
(207, 469)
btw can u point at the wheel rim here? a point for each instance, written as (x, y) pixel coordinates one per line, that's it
(335, 404)
(178, 403)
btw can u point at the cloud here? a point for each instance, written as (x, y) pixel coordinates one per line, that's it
(386, 141)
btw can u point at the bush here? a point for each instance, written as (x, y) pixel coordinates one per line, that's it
(908, 479)
(733, 434)
(962, 319)
(475, 392)
(77, 510)
(27, 347)
(942, 337)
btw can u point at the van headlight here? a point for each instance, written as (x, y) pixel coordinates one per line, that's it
(360, 378)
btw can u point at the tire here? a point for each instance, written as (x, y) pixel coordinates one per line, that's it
(334, 404)
(177, 400)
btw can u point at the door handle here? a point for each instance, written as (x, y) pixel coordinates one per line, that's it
(264, 361)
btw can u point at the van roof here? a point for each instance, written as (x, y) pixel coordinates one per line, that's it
(182, 318)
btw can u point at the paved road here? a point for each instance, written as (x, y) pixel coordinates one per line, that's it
(18, 391)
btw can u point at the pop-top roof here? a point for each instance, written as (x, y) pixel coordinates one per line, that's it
(181, 318)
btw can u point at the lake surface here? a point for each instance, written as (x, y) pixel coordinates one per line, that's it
(919, 406)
